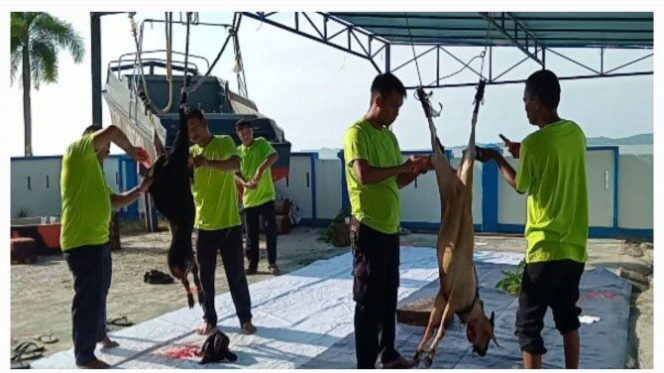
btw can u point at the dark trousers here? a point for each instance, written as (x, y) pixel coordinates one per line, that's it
(375, 285)
(553, 284)
(228, 242)
(91, 267)
(253, 228)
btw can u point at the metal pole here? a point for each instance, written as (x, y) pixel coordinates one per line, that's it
(387, 58)
(95, 66)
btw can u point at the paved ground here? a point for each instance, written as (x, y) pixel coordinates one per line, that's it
(41, 293)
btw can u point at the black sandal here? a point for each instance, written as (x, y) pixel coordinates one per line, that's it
(27, 351)
(47, 338)
(122, 321)
(20, 364)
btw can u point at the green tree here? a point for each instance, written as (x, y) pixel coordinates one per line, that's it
(36, 39)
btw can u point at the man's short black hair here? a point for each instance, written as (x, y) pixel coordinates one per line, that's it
(91, 129)
(243, 123)
(544, 84)
(386, 84)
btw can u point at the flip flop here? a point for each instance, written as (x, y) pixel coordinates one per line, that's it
(27, 351)
(47, 338)
(19, 365)
(120, 321)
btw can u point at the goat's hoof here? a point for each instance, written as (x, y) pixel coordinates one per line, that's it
(190, 301)
(416, 359)
(428, 360)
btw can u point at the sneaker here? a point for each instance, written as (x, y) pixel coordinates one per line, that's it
(274, 269)
(248, 328)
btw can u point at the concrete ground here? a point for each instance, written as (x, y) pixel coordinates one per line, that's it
(41, 292)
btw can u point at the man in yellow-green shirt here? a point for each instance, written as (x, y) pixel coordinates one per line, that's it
(552, 172)
(255, 176)
(375, 171)
(87, 201)
(217, 220)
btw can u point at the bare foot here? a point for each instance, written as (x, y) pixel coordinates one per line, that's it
(248, 328)
(108, 343)
(206, 329)
(94, 364)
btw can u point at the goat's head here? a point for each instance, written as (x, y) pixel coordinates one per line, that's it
(179, 264)
(480, 332)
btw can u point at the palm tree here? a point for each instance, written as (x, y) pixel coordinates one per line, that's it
(36, 39)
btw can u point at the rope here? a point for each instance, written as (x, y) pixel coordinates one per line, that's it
(185, 77)
(138, 41)
(231, 33)
(421, 96)
(410, 36)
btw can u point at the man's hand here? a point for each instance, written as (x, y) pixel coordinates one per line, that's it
(139, 154)
(258, 176)
(200, 161)
(407, 166)
(145, 184)
(421, 164)
(513, 147)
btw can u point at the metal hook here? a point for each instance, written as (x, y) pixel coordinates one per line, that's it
(436, 114)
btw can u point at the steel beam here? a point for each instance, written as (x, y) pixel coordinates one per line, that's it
(322, 35)
(514, 38)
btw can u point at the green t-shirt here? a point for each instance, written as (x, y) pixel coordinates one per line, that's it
(215, 193)
(376, 205)
(552, 172)
(85, 195)
(252, 157)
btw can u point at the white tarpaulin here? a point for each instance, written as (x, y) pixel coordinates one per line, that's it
(299, 315)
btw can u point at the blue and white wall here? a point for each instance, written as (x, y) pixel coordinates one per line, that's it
(620, 189)
(35, 184)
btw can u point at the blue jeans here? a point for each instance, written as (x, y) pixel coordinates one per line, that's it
(91, 266)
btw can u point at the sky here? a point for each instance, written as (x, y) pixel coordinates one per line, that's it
(314, 92)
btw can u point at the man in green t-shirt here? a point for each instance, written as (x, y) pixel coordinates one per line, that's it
(375, 171)
(87, 201)
(552, 172)
(217, 220)
(255, 176)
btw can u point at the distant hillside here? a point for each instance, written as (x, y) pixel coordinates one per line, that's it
(645, 139)
(642, 139)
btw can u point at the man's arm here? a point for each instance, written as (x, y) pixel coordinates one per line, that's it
(367, 174)
(405, 179)
(113, 134)
(121, 200)
(508, 172)
(239, 178)
(242, 181)
(267, 163)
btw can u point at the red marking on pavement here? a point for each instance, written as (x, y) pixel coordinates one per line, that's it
(182, 352)
(604, 294)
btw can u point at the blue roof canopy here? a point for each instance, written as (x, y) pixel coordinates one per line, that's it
(549, 29)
